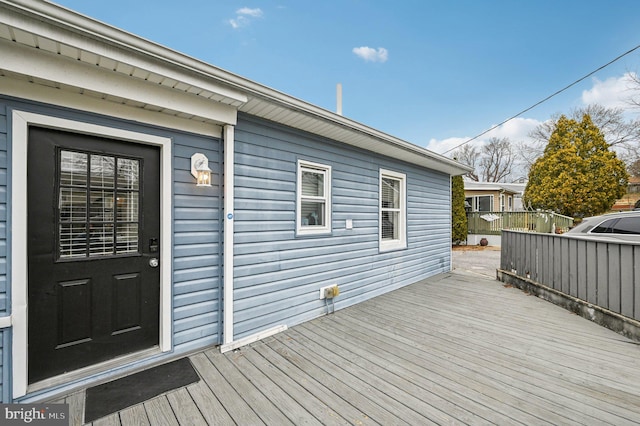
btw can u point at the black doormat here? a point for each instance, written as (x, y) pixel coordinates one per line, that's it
(114, 396)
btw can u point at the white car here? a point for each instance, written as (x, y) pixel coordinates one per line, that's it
(618, 226)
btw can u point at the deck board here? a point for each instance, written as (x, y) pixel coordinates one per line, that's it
(185, 408)
(210, 407)
(135, 415)
(456, 349)
(159, 412)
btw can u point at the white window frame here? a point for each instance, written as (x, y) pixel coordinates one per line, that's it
(401, 241)
(502, 202)
(475, 202)
(301, 227)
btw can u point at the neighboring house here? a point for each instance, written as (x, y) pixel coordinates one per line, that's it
(493, 197)
(113, 259)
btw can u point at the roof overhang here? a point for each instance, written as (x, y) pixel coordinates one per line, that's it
(45, 44)
(488, 186)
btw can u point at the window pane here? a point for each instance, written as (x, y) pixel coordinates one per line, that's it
(102, 171)
(313, 213)
(73, 205)
(604, 227)
(73, 241)
(484, 204)
(628, 225)
(128, 174)
(127, 207)
(73, 168)
(101, 208)
(101, 239)
(127, 238)
(468, 204)
(390, 193)
(312, 184)
(390, 225)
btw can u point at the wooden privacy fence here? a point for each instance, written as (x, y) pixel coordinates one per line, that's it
(492, 223)
(602, 273)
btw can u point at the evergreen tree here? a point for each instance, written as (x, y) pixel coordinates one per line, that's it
(578, 175)
(458, 213)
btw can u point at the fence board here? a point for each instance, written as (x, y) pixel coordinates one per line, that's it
(614, 278)
(573, 267)
(592, 273)
(581, 271)
(564, 253)
(626, 281)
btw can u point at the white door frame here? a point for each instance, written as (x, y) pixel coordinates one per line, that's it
(18, 249)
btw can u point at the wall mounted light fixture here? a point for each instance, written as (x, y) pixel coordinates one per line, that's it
(200, 169)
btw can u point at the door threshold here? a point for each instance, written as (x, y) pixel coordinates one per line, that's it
(92, 370)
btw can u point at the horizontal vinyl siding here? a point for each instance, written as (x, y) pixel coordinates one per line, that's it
(197, 248)
(278, 274)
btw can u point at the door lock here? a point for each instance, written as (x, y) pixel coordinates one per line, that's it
(153, 262)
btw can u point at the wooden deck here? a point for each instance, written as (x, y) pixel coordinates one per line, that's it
(456, 349)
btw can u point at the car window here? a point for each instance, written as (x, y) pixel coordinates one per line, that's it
(605, 227)
(627, 225)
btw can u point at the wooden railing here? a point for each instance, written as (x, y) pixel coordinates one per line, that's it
(492, 223)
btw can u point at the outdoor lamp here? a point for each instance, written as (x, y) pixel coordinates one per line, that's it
(200, 169)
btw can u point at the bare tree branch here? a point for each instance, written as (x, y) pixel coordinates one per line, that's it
(468, 155)
(497, 160)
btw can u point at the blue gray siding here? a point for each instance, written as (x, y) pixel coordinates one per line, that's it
(197, 255)
(278, 274)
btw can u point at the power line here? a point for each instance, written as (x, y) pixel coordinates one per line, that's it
(545, 99)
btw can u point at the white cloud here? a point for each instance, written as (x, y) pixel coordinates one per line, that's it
(245, 11)
(370, 54)
(516, 130)
(611, 93)
(244, 16)
(444, 145)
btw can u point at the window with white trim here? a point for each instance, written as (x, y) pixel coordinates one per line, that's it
(314, 198)
(393, 194)
(479, 203)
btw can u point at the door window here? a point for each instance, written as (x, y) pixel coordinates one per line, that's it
(98, 205)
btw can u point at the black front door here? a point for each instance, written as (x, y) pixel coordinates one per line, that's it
(93, 233)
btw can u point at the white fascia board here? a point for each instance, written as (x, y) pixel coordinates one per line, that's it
(89, 35)
(31, 62)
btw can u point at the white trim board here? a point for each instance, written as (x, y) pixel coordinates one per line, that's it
(19, 276)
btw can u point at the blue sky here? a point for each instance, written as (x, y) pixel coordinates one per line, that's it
(434, 73)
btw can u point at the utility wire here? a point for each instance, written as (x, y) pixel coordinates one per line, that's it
(545, 99)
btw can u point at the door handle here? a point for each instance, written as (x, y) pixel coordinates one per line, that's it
(154, 262)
